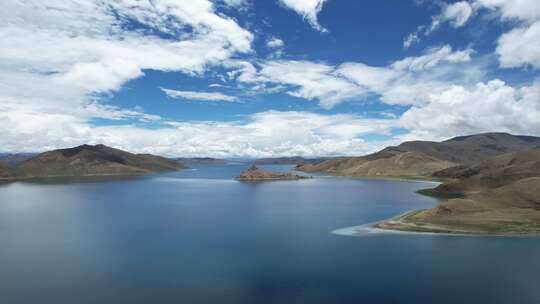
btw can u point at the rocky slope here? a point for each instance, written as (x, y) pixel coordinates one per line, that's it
(500, 195)
(87, 160)
(253, 173)
(423, 158)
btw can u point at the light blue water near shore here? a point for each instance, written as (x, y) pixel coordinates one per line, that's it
(197, 236)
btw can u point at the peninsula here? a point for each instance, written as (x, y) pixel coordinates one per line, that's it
(499, 196)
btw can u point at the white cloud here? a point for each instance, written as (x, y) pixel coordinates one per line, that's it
(457, 14)
(233, 3)
(60, 58)
(82, 49)
(264, 134)
(432, 57)
(412, 38)
(274, 42)
(201, 96)
(520, 47)
(276, 46)
(308, 9)
(304, 79)
(513, 9)
(486, 107)
(408, 81)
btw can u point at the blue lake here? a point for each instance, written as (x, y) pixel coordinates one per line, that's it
(197, 236)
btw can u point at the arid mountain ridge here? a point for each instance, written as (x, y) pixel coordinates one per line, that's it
(424, 158)
(88, 160)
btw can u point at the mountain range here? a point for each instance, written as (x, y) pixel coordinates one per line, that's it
(423, 158)
(490, 182)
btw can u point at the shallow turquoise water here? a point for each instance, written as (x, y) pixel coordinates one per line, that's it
(197, 236)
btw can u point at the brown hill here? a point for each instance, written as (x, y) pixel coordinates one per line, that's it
(422, 158)
(500, 195)
(94, 160)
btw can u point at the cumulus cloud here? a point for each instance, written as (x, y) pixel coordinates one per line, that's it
(485, 107)
(519, 47)
(201, 96)
(308, 9)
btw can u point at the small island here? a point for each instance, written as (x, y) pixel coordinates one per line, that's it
(253, 173)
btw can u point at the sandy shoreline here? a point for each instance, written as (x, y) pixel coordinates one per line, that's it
(397, 225)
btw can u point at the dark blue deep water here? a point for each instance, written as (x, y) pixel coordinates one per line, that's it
(198, 236)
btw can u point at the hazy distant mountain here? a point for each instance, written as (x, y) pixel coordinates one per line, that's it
(201, 161)
(13, 159)
(87, 160)
(294, 160)
(422, 158)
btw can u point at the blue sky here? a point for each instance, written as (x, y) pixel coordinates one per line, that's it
(253, 78)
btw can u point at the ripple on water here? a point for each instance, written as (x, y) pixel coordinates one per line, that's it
(192, 180)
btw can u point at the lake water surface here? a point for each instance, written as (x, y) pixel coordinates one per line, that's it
(197, 236)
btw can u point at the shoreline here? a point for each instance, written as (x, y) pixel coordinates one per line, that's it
(397, 225)
(424, 179)
(97, 175)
